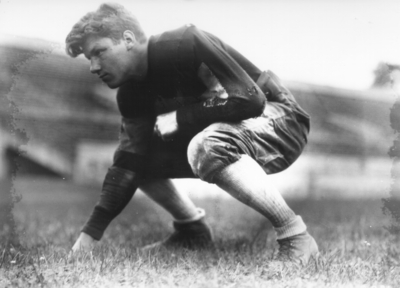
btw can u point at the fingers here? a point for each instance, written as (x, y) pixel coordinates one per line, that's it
(80, 254)
(84, 243)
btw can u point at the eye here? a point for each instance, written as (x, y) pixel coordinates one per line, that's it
(99, 52)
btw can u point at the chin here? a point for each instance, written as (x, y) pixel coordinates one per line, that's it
(113, 85)
(116, 83)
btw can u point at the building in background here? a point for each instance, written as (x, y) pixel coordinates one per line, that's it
(54, 103)
(67, 123)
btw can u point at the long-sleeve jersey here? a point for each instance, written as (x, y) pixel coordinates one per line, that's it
(175, 62)
(193, 73)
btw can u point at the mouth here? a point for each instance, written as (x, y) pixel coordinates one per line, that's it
(103, 77)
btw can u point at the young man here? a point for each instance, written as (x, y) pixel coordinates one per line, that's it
(191, 106)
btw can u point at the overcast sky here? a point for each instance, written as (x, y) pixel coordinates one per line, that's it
(327, 42)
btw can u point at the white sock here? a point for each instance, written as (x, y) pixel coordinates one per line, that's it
(247, 181)
(201, 213)
(295, 227)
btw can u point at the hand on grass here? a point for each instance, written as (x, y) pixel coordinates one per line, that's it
(84, 243)
(166, 125)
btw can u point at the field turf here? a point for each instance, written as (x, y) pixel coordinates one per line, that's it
(356, 248)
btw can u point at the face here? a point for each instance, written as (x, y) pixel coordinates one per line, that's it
(113, 63)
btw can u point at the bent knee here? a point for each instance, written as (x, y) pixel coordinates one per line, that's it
(195, 151)
(209, 152)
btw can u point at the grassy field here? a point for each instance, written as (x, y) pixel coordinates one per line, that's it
(357, 250)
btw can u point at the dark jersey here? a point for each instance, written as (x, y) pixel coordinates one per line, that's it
(177, 63)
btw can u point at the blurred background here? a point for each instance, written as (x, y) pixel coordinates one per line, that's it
(340, 59)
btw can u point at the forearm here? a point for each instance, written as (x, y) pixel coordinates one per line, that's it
(206, 113)
(118, 188)
(269, 88)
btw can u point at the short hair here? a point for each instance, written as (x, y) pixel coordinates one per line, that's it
(110, 20)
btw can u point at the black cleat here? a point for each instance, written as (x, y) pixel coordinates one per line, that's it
(298, 249)
(193, 235)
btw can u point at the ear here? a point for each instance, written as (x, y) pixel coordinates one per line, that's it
(129, 38)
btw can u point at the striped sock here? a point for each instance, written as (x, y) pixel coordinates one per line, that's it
(246, 181)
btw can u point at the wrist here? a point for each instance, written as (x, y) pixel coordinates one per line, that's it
(86, 237)
(97, 223)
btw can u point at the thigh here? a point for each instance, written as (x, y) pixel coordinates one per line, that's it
(275, 140)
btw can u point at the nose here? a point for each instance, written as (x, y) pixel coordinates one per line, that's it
(94, 66)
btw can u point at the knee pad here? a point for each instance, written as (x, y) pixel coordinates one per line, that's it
(195, 152)
(209, 152)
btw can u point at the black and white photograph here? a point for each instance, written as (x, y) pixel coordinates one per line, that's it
(199, 143)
